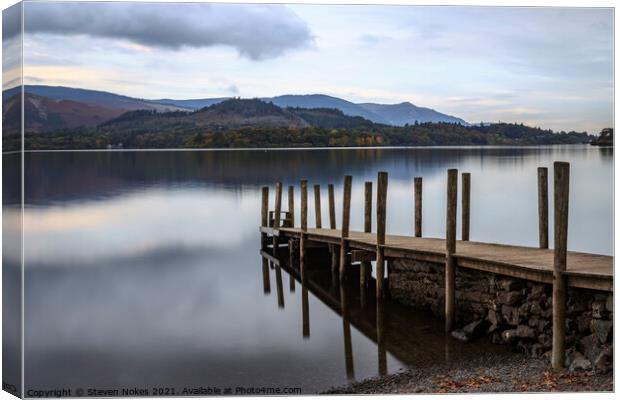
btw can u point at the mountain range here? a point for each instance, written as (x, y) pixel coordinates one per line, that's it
(56, 107)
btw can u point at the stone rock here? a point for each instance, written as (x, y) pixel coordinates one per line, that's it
(545, 340)
(576, 305)
(535, 308)
(466, 333)
(583, 322)
(525, 332)
(598, 309)
(493, 318)
(605, 361)
(509, 298)
(538, 289)
(510, 315)
(580, 363)
(459, 334)
(496, 338)
(533, 322)
(509, 284)
(510, 335)
(537, 350)
(609, 303)
(590, 347)
(543, 324)
(601, 329)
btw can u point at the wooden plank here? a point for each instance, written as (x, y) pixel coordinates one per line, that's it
(264, 212)
(560, 189)
(583, 269)
(362, 255)
(291, 204)
(344, 231)
(367, 206)
(465, 202)
(317, 206)
(543, 208)
(382, 184)
(450, 248)
(417, 183)
(332, 206)
(304, 224)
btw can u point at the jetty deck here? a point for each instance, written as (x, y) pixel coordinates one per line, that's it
(558, 266)
(584, 270)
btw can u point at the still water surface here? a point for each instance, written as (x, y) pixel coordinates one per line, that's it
(143, 268)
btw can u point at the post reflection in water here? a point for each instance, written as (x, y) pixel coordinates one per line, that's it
(305, 310)
(346, 332)
(291, 283)
(266, 283)
(279, 288)
(381, 352)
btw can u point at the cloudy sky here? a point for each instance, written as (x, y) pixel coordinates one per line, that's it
(547, 67)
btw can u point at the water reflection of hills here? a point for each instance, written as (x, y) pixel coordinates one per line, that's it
(67, 176)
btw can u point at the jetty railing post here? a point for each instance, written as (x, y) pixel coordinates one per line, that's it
(332, 224)
(543, 208)
(264, 214)
(417, 184)
(303, 225)
(276, 217)
(317, 205)
(561, 190)
(365, 266)
(450, 248)
(382, 182)
(346, 218)
(465, 201)
(291, 204)
(367, 207)
(332, 206)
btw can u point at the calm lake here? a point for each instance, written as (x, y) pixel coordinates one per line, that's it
(143, 268)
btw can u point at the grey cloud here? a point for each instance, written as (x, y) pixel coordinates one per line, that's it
(255, 31)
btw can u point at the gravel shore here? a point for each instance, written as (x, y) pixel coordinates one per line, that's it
(492, 373)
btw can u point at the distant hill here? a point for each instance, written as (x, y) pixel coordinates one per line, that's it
(389, 114)
(406, 113)
(93, 97)
(253, 123)
(247, 112)
(43, 114)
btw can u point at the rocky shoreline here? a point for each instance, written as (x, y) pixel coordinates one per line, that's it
(513, 312)
(494, 373)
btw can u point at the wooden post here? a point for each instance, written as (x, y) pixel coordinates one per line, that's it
(365, 266)
(291, 283)
(450, 247)
(417, 184)
(291, 204)
(304, 225)
(335, 252)
(346, 217)
(382, 182)
(317, 205)
(266, 283)
(264, 213)
(367, 206)
(543, 208)
(332, 206)
(560, 188)
(277, 211)
(465, 200)
(279, 287)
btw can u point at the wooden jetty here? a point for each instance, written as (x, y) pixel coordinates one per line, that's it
(557, 266)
